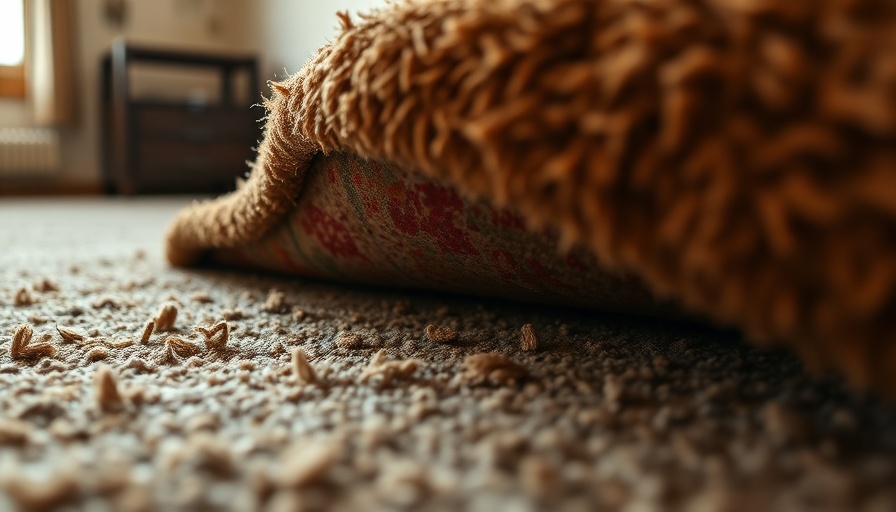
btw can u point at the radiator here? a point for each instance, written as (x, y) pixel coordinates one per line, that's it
(28, 151)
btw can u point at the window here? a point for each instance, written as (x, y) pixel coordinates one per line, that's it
(12, 48)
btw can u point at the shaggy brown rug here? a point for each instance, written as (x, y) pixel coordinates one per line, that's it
(738, 156)
(317, 396)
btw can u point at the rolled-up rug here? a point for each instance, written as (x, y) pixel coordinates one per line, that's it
(734, 159)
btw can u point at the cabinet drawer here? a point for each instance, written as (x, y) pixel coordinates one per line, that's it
(157, 153)
(195, 125)
(175, 166)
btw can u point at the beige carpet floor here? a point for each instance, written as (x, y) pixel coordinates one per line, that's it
(607, 413)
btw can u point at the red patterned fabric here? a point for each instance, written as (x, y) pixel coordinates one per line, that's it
(372, 222)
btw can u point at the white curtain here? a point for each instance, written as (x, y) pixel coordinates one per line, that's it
(50, 68)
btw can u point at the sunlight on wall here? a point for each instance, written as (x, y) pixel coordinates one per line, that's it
(12, 34)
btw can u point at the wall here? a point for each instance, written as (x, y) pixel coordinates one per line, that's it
(290, 31)
(283, 33)
(14, 113)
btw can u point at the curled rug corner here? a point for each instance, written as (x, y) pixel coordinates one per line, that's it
(367, 221)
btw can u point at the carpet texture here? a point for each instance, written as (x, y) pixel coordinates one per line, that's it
(319, 396)
(736, 155)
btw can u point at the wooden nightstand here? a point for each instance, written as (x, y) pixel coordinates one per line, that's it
(163, 146)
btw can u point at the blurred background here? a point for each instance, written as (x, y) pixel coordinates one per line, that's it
(144, 97)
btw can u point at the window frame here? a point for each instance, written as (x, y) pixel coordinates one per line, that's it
(12, 81)
(12, 78)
